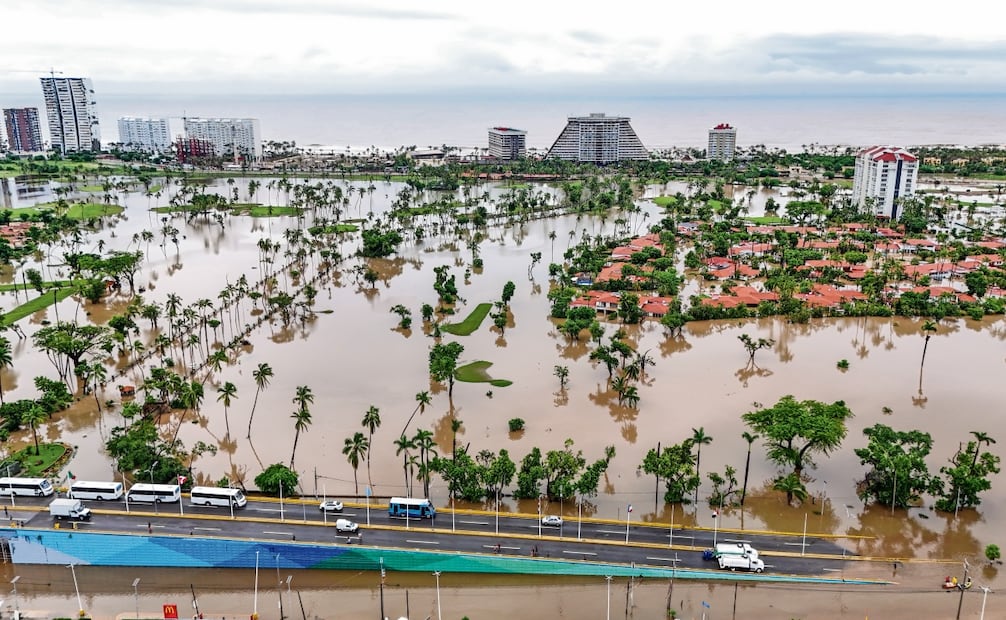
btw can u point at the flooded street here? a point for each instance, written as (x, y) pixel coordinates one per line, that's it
(353, 357)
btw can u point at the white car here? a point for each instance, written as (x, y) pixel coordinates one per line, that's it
(344, 526)
(552, 520)
(331, 505)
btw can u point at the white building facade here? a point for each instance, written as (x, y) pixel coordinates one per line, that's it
(884, 176)
(507, 144)
(722, 142)
(598, 139)
(71, 110)
(150, 135)
(230, 137)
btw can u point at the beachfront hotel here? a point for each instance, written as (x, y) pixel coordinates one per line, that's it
(150, 135)
(71, 110)
(722, 142)
(884, 175)
(598, 139)
(230, 137)
(24, 134)
(507, 143)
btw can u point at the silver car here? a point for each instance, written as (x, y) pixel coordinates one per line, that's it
(331, 505)
(554, 520)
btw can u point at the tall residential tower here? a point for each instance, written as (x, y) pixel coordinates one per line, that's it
(24, 134)
(884, 175)
(507, 144)
(598, 139)
(70, 108)
(722, 142)
(230, 137)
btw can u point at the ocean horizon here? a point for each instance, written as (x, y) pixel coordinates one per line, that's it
(425, 120)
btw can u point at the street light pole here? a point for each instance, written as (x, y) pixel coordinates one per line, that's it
(608, 579)
(156, 463)
(437, 575)
(13, 582)
(136, 596)
(962, 586)
(255, 604)
(803, 546)
(80, 605)
(985, 595)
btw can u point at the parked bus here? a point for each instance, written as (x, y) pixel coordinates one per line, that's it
(86, 489)
(154, 493)
(36, 487)
(217, 496)
(413, 507)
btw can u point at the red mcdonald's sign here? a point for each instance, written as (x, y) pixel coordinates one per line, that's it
(170, 611)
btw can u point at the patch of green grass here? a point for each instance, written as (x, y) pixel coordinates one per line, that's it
(267, 211)
(470, 323)
(81, 211)
(6, 288)
(90, 188)
(42, 301)
(332, 229)
(35, 465)
(765, 219)
(475, 372)
(665, 201)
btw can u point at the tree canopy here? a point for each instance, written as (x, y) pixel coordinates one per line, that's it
(795, 430)
(898, 475)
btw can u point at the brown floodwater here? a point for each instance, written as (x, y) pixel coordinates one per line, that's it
(353, 356)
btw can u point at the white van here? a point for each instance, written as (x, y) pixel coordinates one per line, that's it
(101, 491)
(35, 487)
(142, 492)
(217, 496)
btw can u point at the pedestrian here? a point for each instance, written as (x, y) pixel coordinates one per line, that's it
(6, 514)
(150, 528)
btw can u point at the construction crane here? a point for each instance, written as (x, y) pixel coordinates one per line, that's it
(51, 71)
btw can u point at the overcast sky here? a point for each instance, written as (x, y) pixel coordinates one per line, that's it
(651, 47)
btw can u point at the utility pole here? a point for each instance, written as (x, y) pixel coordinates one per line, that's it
(962, 586)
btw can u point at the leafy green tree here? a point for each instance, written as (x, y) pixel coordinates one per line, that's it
(723, 487)
(675, 465)
(140, 449)
(628, 308)
(992, 553)
(977, 283)
(262, 374)
(795, 430)
(355, 448)
(508, 290)
(34, 416)
(967, 475)
(898, 474)
(530, 475)
(66, 344)
(444, 363)
(792, 486)
(275, 477)
(752, 346)
(562, 372)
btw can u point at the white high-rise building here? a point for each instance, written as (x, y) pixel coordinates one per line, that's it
(144, 134)
(599, 139)
(71, 111)
(507, 144)
(722, 142)
(230, 137)
(884, 175)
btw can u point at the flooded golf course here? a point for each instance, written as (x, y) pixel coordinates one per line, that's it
(352, 354)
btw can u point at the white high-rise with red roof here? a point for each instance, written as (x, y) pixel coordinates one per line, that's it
(884, 176)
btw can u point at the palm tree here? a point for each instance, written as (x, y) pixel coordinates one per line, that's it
(302, 415)
(262, 374)
(402, 446)
(226, 393)
(699, 438)
(371, 421)
(928, 328)
(980, 438)
(792, 486)
(750, 438)
(422, 399)
(355, 448)
(34, 416)
(6, 361)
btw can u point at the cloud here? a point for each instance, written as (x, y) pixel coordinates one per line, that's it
(369, 10)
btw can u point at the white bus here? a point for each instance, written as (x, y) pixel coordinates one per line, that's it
(217, 496)
(86, 489)
(36, 487)
(414, 507)
(154, 493)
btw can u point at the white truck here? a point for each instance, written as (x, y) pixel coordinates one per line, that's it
(733, 562)
(72, 509)
(736, 549)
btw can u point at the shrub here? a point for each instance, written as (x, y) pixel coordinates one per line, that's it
(516, 424)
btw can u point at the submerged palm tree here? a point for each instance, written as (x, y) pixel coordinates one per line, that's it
(355, 448)
(227, 393)
(928, 328)
(371, 421)
(262, 374)
(302, 416)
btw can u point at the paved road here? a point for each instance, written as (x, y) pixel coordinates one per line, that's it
(517, 535)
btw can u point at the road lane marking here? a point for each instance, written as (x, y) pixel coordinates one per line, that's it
(664, 559)
(475, 522)
(611, 532)
(832, 570)
(207, 529)
(579, 552)
(153, 525)
(501, 547)
(279, 533)
(680, 536)
(798, 544)
(422, 542)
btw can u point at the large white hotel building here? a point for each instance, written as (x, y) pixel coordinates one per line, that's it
(229, 137)
(145, 134)
(598, 139)
(884, 175)
(70, 108)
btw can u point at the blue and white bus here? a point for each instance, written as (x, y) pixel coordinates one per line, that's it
(411, 507)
